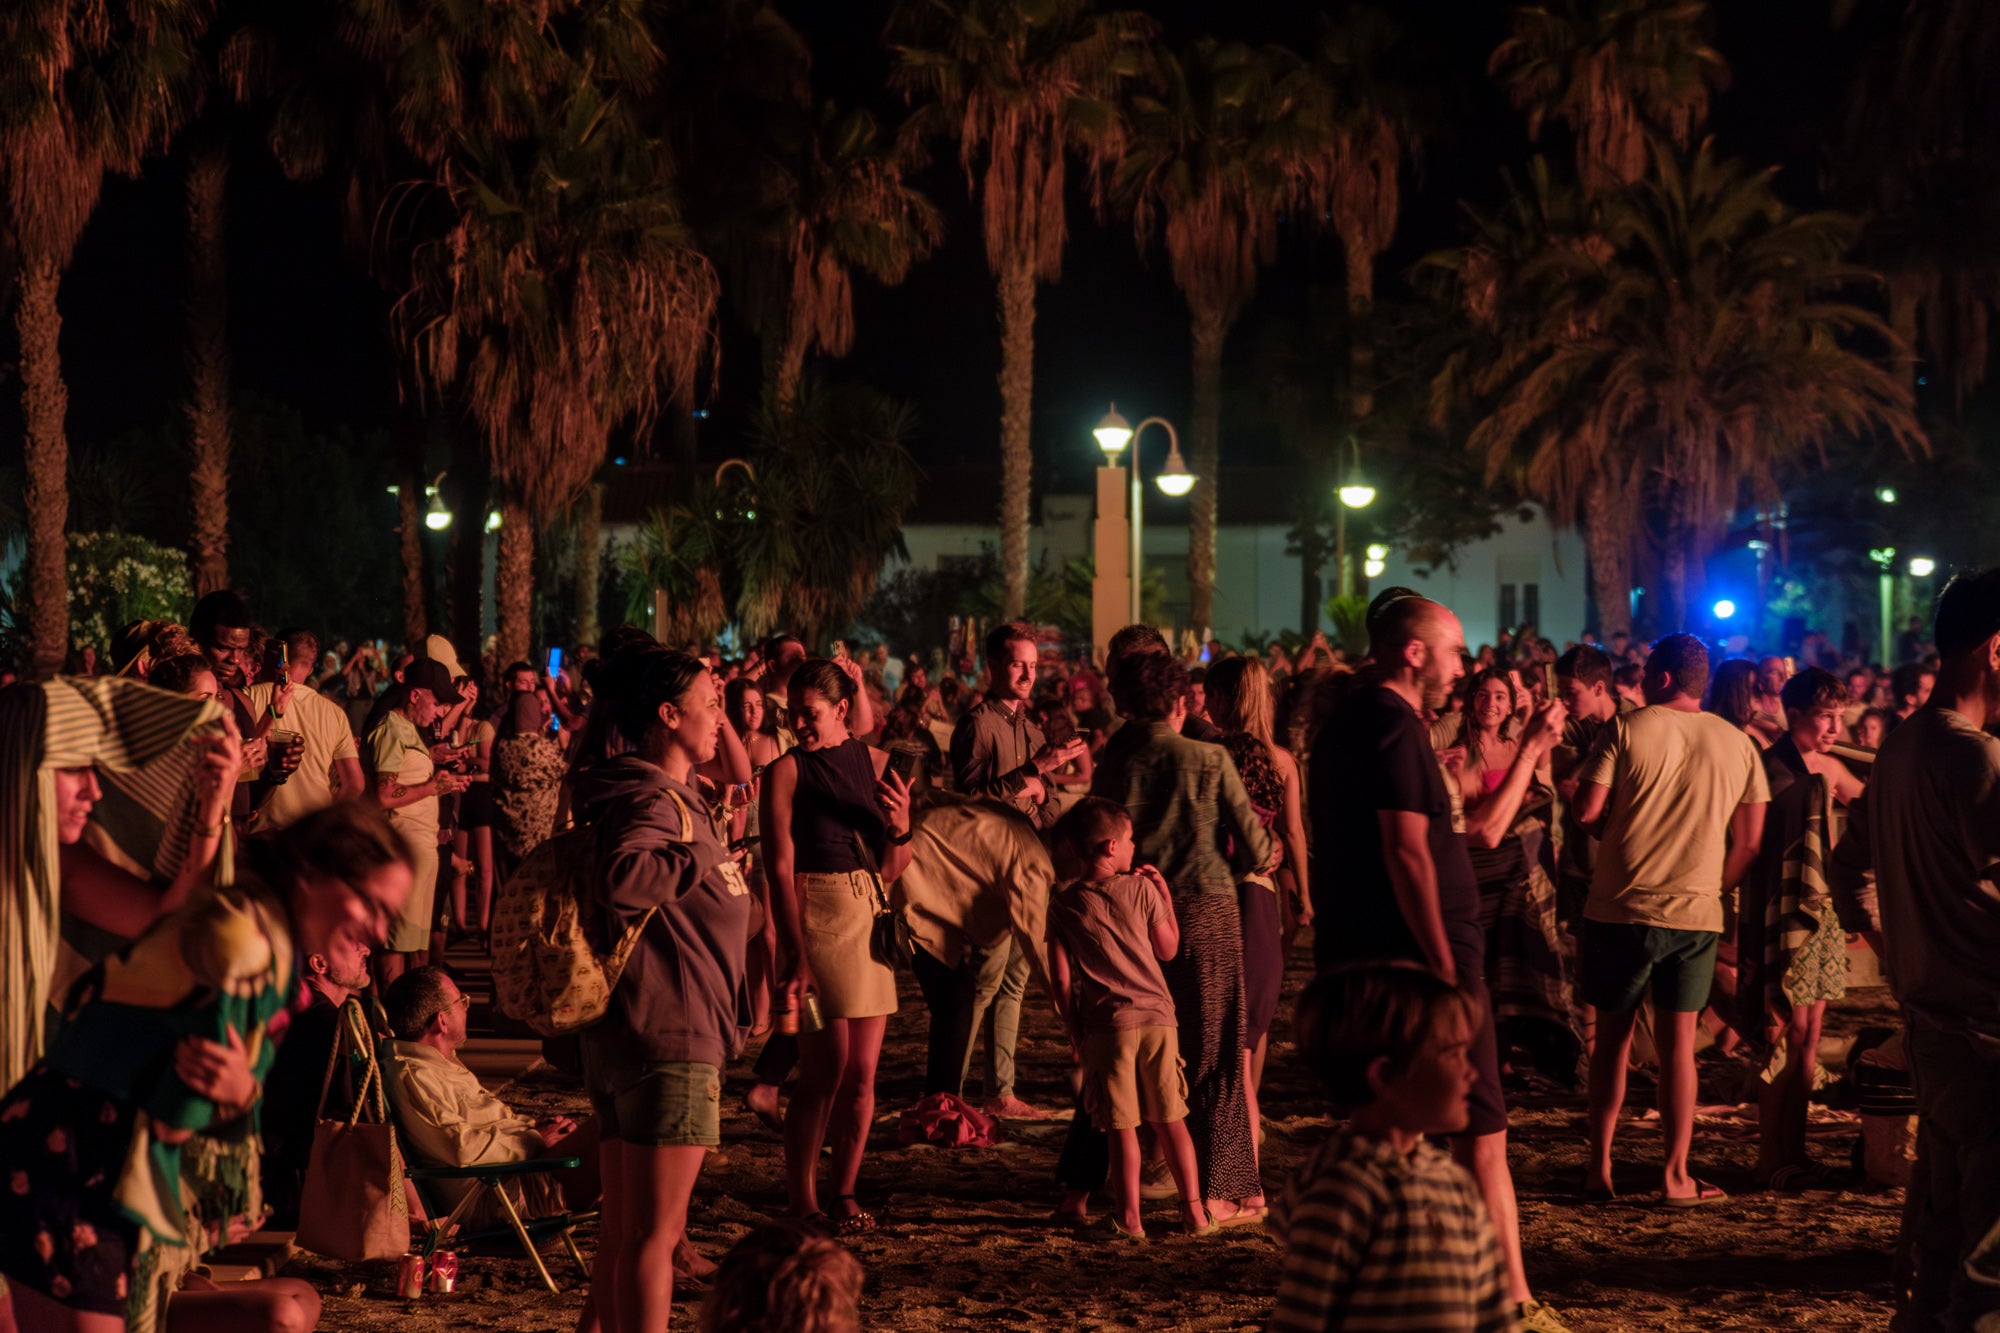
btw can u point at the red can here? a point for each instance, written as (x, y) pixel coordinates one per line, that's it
(410, 1277)
(444, 1274)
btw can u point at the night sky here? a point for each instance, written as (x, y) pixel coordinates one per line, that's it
(308, 326)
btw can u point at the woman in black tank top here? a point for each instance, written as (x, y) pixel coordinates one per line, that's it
(829, 817)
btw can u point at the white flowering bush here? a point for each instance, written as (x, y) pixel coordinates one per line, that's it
(115, 578)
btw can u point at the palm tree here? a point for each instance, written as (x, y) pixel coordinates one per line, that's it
(1613, 71)
(1528, 281)
(1215, 156)
(835, 199)
(206, 303)
(1917, 156)
(1020, 84)
(563, 300)
(84, 88)
(1706, 353)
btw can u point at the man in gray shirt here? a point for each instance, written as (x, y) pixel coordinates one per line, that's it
(1918, 872)
(998, 752)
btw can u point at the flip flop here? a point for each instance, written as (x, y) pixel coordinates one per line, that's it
(1248, 1217)
(1704, 1195)
(1119, 1228)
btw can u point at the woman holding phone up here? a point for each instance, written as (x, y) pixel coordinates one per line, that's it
(831, 817)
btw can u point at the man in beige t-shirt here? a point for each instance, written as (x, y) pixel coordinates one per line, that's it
(330, 768)
(1682, 796)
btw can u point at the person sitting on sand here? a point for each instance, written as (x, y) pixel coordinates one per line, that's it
(1381, 1229)
(1108, 934)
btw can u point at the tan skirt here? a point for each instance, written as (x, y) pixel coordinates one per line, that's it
(838, 913)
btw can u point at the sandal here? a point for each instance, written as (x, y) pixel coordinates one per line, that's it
(1120, 1229)
(1704, 1195)
(859, 1222)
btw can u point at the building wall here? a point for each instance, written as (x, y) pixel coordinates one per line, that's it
(1257, 584)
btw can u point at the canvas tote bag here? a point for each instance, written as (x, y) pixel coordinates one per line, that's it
(353, 1207)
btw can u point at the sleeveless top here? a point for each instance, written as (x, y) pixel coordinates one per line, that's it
(1259, 774)
(834, 799)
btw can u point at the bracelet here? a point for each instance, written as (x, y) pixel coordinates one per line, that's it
(903, 841)
(210, 830)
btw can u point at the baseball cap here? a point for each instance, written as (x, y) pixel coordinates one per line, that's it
(438, 649)
(427, 673)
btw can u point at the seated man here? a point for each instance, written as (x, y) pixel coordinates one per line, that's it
(445, 1118)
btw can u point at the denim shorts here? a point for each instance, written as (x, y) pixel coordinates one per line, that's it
(1618, 962)
(655, 1103)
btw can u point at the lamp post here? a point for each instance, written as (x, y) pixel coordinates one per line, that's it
(1113, 434)
(1885, 556)
(1354, 493)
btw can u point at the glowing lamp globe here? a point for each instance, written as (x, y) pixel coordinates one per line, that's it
(1113, 433)
(1356, 496)
(1176, 479)
(1724, 609)
(1922, 566)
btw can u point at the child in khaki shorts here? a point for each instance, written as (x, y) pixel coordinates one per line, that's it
(1107, 934)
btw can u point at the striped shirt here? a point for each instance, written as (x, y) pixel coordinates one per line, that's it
(1375, 1240)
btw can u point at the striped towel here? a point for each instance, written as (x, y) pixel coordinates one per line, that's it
(144, 744)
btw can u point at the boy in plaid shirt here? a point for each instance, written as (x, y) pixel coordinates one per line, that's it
(1383, 1231)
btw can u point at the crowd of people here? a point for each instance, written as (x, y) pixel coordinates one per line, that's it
(229, 859)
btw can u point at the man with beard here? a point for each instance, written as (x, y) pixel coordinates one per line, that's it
(335, 980)
(1393, 880)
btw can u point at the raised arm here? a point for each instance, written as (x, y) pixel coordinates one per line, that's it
(1489, 823)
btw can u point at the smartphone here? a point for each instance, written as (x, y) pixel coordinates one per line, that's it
(1549, 679)
(555, 663)
(904, 764)
(840, 650)
(741, 843)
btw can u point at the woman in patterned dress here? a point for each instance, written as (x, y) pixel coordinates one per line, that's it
(1239, 702)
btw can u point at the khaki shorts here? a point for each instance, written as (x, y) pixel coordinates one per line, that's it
(655, 1103)
(1134, 1076)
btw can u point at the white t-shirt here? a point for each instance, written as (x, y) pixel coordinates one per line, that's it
(1676, 778)
(328, 739)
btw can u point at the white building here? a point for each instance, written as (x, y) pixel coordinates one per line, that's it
(1526, 574)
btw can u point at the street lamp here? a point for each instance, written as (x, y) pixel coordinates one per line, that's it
(1922, 566)
(1354, 493)
(1113, 434)
(1885, 557)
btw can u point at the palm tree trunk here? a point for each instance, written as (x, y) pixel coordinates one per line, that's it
(207, 307)
(790, 369)
(1210, 329)
(44, 404)
(1017, 389)
(410, 540)
(1360, 301)
(514, 584)
(466, 487)
(1607, 544)
(589, 556)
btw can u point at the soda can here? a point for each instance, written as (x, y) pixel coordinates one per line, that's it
(410, 1277)
(444, 1274)
(810, 1017)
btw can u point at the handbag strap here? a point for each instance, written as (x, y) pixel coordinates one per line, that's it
(371, 1081)
(867, 855)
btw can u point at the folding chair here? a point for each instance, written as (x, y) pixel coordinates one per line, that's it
(442, 1228)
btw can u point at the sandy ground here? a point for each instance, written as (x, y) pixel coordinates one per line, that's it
(963, 1244)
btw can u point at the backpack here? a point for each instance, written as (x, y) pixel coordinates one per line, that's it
(551, 968)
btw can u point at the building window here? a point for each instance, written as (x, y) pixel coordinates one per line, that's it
(1508, 606)
(1531, 605)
